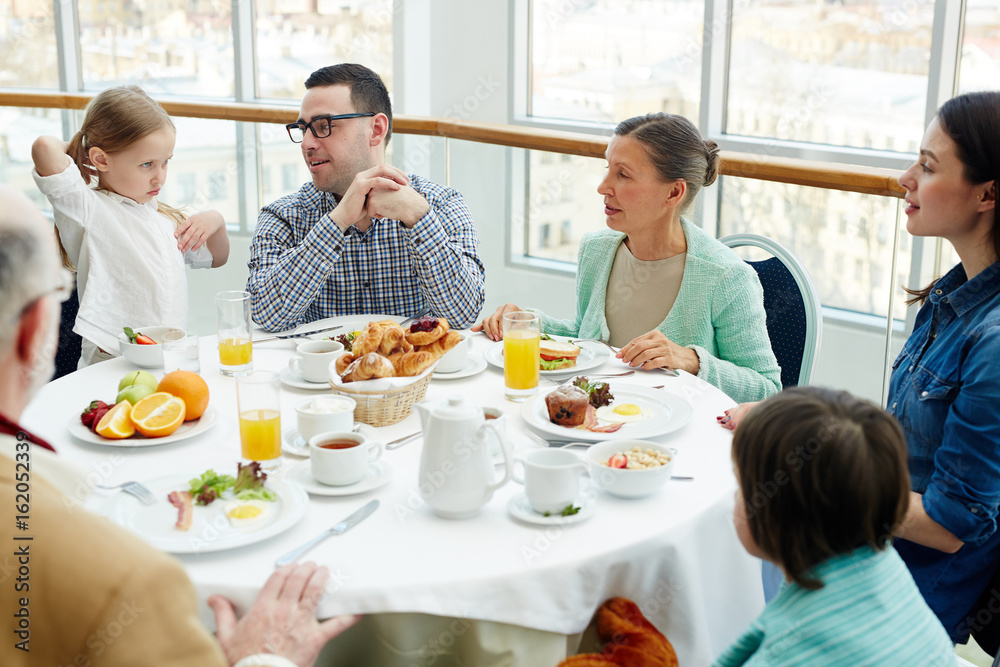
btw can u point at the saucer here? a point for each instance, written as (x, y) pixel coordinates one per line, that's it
(473, 366)
(378, 474)
(293, 443)
(520, 508)
(292, 380)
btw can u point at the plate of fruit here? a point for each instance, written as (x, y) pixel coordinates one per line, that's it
(147, 412)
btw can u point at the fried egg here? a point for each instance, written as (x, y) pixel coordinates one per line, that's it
(624, 413)
(246, 513)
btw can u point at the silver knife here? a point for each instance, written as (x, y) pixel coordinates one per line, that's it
(338, 529)
(298, 334)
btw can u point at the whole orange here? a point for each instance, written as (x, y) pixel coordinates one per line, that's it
(190, 388)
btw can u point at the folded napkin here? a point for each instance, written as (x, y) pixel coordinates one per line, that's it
(629, 640)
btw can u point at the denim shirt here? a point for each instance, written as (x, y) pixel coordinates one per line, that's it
(945, 392)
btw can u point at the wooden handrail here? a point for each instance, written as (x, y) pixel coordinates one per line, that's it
(828, 175)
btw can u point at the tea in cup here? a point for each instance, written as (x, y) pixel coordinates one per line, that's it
(455, 358)
(313, 361)
(551, 479)
(324, 413)
(342, 458)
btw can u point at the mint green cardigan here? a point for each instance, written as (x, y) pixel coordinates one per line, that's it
(719, 312)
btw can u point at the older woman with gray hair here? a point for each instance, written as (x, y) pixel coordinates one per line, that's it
(656, 285)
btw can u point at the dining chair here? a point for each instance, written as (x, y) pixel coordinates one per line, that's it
(68, 350)
(794, 318)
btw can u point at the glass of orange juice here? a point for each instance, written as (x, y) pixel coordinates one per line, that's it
(235, 348)
(521, 333)
(259, 399)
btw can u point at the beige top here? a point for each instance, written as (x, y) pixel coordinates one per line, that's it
(640, 294)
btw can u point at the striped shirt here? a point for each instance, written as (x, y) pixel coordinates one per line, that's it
(304, 268)
(869, 612)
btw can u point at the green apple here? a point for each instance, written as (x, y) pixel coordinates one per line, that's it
(134, 393)
(137, 378)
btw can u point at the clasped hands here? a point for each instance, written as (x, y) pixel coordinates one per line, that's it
(650, 350)
(380, 192)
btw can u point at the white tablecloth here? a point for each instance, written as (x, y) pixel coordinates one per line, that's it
(675, 553)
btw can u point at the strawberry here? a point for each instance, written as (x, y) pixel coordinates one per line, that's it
(617, 461)
(143, 339)
(98, 415)
(89, 416)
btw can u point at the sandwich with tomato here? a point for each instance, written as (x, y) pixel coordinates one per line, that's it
(557, 354)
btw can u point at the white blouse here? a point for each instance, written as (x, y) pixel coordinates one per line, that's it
(129, 270)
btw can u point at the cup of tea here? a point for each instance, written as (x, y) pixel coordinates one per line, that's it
(551, 478)
(455, 358)
(342, 458)
(323, 414)
(313, 361)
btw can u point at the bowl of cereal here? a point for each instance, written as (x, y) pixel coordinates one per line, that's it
(630, 468)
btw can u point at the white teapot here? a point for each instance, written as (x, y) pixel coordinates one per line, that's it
(457, 475)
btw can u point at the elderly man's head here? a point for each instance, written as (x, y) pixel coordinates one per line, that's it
(30, 276)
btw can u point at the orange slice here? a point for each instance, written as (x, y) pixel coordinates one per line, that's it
(158, 414)
(116, 422)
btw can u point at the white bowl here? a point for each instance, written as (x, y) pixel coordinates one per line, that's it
(626, 483)
(145, 356)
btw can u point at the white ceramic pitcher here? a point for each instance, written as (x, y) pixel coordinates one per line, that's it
(457, 475)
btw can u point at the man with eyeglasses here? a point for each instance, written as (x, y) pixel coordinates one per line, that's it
(77, 589)
(363, 237)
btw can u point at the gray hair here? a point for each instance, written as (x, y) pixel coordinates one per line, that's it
(27, 265)
(676, 149)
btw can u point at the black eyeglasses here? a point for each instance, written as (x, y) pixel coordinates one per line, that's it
(320, 126)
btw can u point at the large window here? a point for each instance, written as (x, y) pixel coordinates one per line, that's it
(28, 45)
(849, 82)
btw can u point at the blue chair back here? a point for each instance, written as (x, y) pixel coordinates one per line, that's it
(794, 318)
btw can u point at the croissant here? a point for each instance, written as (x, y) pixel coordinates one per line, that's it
(408, 364)
(371, 366)
(443, 344)
(343, 361)
(418, 338)
(368, 340)
(392, 339)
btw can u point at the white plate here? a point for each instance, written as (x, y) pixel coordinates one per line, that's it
(378, 474)
(186, 430)
(293, 443)
(348, 323)
(592, 355)
(210, 529)
(474, 365)
(669, 413)
(289, 378)
(520, 509)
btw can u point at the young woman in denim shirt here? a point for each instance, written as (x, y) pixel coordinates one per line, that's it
(945, 387)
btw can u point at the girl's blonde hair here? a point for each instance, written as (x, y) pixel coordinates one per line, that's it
(114, 120)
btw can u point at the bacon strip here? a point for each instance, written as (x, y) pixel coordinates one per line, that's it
(590, 423)
(185, 508)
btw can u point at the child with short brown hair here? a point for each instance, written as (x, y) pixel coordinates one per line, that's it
(823, 481)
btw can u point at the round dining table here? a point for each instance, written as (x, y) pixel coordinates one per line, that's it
(488, 590)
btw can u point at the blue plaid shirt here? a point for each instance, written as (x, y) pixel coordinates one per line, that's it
(303, 268)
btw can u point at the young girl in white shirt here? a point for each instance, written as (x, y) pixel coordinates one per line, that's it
(129, 250)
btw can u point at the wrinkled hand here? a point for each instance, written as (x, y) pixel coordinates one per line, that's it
(493, 325)
(193, 232)
(282, 620)
(355, 205)
(654, 350)
(733, 416)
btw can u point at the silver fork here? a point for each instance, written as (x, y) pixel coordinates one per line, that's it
(133, 488)
(669, 371)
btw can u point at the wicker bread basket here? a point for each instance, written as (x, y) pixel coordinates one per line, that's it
(385, 406)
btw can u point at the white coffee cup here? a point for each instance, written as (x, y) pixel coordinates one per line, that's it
(551, 478)
(455, 358)
(342, 458)
(313, 361)
(323, 414)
